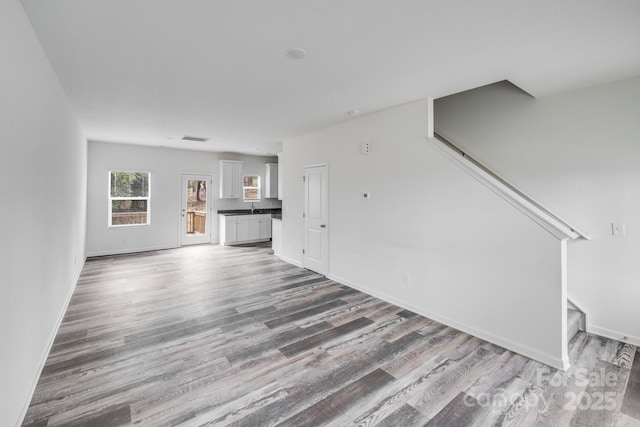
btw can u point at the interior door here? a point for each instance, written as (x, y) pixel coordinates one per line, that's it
(195, 220)
(315, 255)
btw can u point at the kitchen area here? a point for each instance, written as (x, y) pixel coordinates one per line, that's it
(261, 193)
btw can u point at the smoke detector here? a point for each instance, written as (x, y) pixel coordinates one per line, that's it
(295, 53)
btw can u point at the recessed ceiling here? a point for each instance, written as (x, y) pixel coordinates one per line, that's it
(150, 71)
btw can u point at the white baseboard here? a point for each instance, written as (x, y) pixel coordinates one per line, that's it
(130, 251)
(290, 261)
(45, 355)
(243, 242)
(614, 335)
(555, 362)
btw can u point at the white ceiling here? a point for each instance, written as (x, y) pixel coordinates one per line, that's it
(151, 71)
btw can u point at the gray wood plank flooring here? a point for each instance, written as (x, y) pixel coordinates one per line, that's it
(211, 335)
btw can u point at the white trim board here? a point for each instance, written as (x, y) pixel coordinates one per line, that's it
(45, 356)
(611, 334)
(290, 260)
(541, 217)
(134, 250)
(558, 363)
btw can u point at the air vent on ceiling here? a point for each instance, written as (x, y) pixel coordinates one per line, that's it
(194, 138)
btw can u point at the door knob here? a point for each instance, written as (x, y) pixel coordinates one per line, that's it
(323, 226)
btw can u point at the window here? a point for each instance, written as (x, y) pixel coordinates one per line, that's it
(128, 198)
(251, 188)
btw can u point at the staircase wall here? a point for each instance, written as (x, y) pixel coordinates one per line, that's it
(579, 154)
(430, 238)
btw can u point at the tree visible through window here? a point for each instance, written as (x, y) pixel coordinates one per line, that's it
(128, 198)
(251, 187)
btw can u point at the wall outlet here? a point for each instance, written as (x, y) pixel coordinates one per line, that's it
(618, 229)
(366, 195)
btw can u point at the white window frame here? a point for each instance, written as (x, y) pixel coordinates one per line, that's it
(258, 188)
(111, 199)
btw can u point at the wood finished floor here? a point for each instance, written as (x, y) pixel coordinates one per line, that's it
(211, 335)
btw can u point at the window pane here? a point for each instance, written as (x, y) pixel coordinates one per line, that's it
(126, 212)
(251, 194)
(196, 195)
(129, 184)
(250, 181)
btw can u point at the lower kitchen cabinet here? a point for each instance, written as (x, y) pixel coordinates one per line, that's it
(276, 236)
(264, 228)
(237, 229)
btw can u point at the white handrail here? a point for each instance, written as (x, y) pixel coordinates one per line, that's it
(534, 210)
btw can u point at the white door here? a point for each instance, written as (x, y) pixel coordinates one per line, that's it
(195, 220)
(315, 219)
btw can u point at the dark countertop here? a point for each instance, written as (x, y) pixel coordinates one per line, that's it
(277, 216)
(276, 211)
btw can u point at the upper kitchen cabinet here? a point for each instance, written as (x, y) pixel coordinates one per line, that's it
(271, 181)
(230, 179)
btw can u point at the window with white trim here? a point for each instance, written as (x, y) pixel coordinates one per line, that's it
(251, 188)
(128, 198)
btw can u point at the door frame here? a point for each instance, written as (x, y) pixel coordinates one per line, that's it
(325, 249)
(183, 238)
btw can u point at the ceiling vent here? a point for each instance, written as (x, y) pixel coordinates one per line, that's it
(194, 138)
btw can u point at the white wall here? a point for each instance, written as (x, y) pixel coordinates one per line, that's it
(473, 260)
(579, 154)
(42, 220)
(166, 167)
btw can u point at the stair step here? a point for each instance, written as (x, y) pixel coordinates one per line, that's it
(575, 323)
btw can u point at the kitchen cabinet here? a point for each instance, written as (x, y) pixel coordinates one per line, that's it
(228, 229)
(264, 228)
(236, 229)
(230, 179)
(271, 181)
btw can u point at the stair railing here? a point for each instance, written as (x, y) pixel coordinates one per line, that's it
(534, 210)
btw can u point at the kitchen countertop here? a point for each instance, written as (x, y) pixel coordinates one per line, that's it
(248, 212)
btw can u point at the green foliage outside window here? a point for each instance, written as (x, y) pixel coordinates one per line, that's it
(129, 198)
(251, 187)
(129, 184)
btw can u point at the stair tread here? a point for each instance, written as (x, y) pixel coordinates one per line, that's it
(574, 314)
(574, 323)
